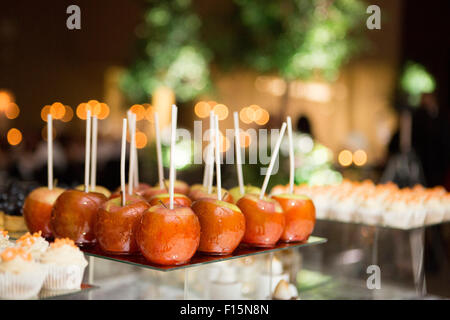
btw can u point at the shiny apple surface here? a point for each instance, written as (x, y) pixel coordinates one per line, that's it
(164, 198)
(299, 214)
(74, 215)
(264, 220)
(117, 225)
(222, 226)
(37, 209)
(168, 237)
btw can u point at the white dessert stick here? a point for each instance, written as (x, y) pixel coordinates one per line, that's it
(132, 154)
(50, 151)
(211, 152)
(94, 152)
(123, 151)
(136, 160)
(272, 161)
(172, 155)
(158, 151)
(291, 156)
(237, 143)
(217, 156)
(87, 158)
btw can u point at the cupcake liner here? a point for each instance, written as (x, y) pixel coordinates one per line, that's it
(22, 286)
(64, 277)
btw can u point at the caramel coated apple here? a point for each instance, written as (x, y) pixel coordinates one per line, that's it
(168, 237)
(37, 209)
(74, 216)
(222, 226)
(179, 186)
(264, 220)
(198, 192)
(236, 192)
(152, 191)
(178, 199)
(117, 225)
(98, 189)
(299, 214)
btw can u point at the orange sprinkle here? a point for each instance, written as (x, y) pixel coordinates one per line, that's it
(59, 242)
(28, 239)
(11, 253)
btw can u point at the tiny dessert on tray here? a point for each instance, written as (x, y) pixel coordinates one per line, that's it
(169, 235)
(65, 265)
(33, 244)
(20, 276)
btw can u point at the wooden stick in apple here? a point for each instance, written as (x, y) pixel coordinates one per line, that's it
(272, 161)
(50, 151)
(94, 152)
(211, 152)
(136, 159)
(291, 156)
(237, 140)
(123, 151)
(217, 156)
(158, 151)
(172, 155)
(87, 158)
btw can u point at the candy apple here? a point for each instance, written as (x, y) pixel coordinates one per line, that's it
(201, 192)
(264, 220)
(236, 192)
(117, 225)
(74, 216)
(98, 189)
(168, 237)
(37, 209)
(299, 214)
(153, 191)
(178, 199)
(222, 226)
(179, 186)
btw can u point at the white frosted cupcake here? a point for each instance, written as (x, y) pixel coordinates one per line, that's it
(4, 240)
(66, 264)
(33, 243)
(20, 276)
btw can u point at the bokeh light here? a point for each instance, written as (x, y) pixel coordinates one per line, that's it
(221, 111)
(68, 115)
(345, 158)
(262, 117)
(44, 112)
(360, 157)
(149, 110)
(5, 99)
(202, 109)
(141, 140)
(104, 111)
(138, 110)
(12, 111)
(243, 115)
(57, 110)
(14, 136)
(244, 139)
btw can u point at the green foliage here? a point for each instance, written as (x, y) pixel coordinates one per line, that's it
(170, 53)
(416, 80)
(298, 37)
(294, 38)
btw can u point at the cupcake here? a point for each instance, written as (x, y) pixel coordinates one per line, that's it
(285, 291)
(4, 240)
(20, 276)
(65, 263)
(33, 243)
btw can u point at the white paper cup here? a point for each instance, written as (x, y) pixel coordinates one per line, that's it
(63, 277)
(22, 286)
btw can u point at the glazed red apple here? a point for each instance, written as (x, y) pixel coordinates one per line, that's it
(98, 189)
(264, 220)
(117, 225)
(199, 192)
(152, 191)
(74, 215)
(178, 199)
(37, 209)
(236, 192)
(168, 237)
(222, 226)
(299, 214)
(139, 190)
(179, 186)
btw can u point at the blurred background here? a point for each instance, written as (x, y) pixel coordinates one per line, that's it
(365, 104)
